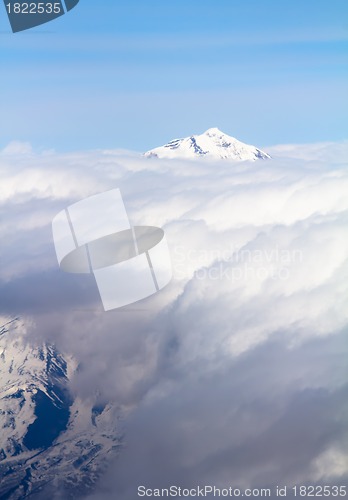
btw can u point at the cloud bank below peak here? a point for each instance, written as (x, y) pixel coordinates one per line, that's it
(236, 372)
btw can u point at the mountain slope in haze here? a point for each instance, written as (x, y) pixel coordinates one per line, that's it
(212, 144)
(50, 440)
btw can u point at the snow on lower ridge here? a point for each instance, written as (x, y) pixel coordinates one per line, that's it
(48, 440)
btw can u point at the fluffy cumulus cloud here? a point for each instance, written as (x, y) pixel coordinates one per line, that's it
(236, 373)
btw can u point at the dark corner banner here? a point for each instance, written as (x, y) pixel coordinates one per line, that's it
(25, 15)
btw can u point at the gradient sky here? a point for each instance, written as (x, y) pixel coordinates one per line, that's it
(135, 74)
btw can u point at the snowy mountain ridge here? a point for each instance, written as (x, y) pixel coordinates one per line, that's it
(212, 144)
(49, 440)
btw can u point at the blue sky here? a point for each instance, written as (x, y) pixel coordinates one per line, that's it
(135, 74)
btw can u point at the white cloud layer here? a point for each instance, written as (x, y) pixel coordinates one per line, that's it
(237, 371)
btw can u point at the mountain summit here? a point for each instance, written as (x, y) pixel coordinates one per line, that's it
(212, 144)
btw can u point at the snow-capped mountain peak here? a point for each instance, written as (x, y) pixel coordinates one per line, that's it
(212, 144)
(213, 131)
